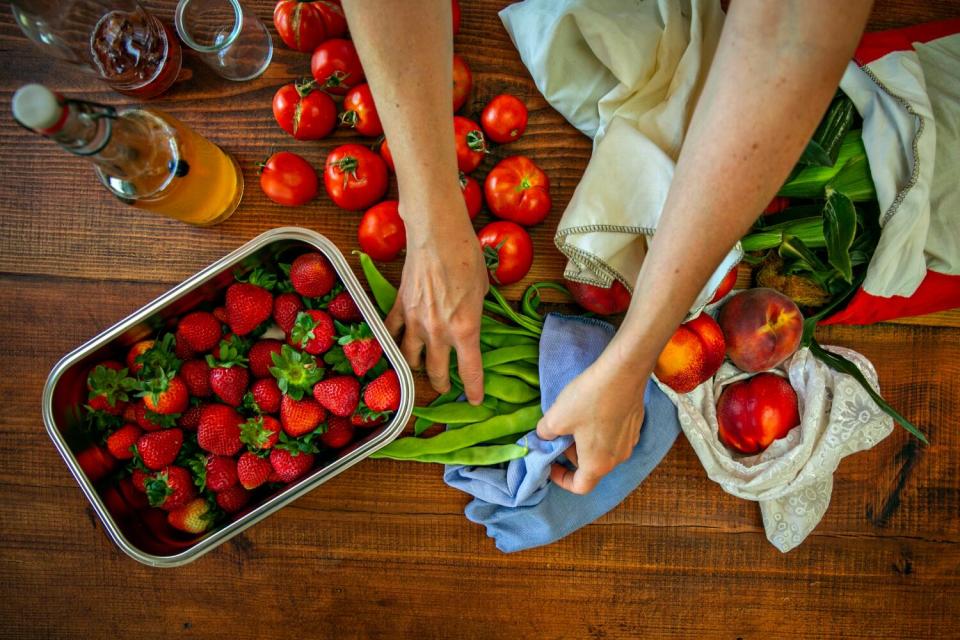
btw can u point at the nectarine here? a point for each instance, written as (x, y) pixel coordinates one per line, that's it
(694, 353)
(604, 301)
(726, 285)
(753, 413)
(762, 328)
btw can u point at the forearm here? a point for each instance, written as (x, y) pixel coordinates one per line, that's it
(775, 70)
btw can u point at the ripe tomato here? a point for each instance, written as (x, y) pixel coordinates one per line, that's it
(303, 111)
(386, 155)
(600, 300)
(472, 194)
(335, 66)
(355, 177)
(304, 24)
(381, 234)
(455, 10)
(462, 81)
(288, 179)
(778, 204)
(360, 112)
(471, 146)
(508, 251)
(518, 190)
(504, 119)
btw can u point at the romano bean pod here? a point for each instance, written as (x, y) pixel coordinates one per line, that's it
(383, 292)
(479, 455)
(454, 413)
(510, 354)
(525, 371)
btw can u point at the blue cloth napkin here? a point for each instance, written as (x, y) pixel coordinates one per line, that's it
(518, 504)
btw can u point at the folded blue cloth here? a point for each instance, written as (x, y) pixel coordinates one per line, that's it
(518, 504)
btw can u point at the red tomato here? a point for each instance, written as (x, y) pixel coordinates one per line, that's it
(726, 285)
(355, 177)
(455, 10)
(381, 234)
(604, 301)
(304, 24)
(360, 112)
(386, 155)
(288, 179)
(778, 204)
(471, 146)
(504, 119)
(303, 111)
(518, 190)
(462, 81)
(472, 194)
(335, 66)
(508, 250)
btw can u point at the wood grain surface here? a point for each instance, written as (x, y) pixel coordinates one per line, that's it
(384, 549)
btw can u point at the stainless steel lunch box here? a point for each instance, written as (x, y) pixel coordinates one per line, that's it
(65, 392)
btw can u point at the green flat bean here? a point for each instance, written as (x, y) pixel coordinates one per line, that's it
(383, 292)
(505, 388)
(422, 424)
(527, 372)
(474, 456)
(510, 354)
(454, 413)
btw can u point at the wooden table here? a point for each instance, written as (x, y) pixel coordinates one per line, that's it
(384, 550)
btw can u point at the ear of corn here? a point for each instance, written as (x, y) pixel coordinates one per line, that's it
(850, 175)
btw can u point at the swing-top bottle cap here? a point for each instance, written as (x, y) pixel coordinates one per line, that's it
(36, 107)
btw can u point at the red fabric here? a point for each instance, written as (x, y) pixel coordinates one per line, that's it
(880, 43)
(937, 292)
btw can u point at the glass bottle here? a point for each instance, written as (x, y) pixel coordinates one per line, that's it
(120, 41)
(145, 157)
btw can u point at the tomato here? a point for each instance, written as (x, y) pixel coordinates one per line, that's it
(335, 66)
(726, 285)
(472, 194)
(381, 234)
(462, 81)
(604, 301)
(455, 10)
(778, 204)
(508, 251)
(504, 119)
(355, 177)
(386, 155)
(518, 190)
(303, 111)
(360, 112)
(471, 146)
(304, 24)
(288, 179)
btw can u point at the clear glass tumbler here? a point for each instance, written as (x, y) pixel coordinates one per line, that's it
(230, 39)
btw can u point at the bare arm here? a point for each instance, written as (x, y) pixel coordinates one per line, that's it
(407, 52)
(776, 68)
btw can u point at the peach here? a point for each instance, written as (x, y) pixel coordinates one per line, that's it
(602, 301)
(694, 353)
(762, 327)
(753, 413)
(726, 285)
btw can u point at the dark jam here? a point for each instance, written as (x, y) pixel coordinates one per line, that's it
(135, 53)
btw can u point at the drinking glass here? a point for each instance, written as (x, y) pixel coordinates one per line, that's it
(229, 39)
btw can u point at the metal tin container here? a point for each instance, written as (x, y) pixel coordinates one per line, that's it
(65, 392)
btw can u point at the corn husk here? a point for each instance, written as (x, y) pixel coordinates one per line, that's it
(850, 175)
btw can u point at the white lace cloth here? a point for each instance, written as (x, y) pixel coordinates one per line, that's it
(793, 478)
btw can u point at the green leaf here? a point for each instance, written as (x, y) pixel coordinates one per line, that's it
(839, 229)
(815, 155)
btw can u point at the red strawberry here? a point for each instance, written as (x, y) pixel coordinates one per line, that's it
(230, 383)
(285, 310)
(313, 331)
(247, 306)
(121, 441)
(266, 394)
(193, 517)
(383, 394)
(361, 349)
(201, 330)
(339, 395)
(219, 430)
(343, 308)
(196, 375)
(134, 496)
(233, 499)
(171, 488)
(312, 275)
(221, 473)
(253, 470)
(95, 462)
(290, 465)
(109, 384)
(136, 351)
(261, 356)
(190, 419)
(181, 348)
(220, 313)
(339, 432)
(261, 432)
(296, 372)
(166, 396)
(150, 421)
(160, 448)
(300, 417)
(360, 420)
(139, 479)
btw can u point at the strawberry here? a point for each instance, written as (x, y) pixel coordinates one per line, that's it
(300, 417)
(181, 348)
(360, 347)
(170, 489)
(230, 383)
(109, 384)
(252, 470)
(220, 313)
(120, 443)
(312, 275)
(134, 496)
(95, 462)
(219, 430)
(261, 432)
(295, 372)
(139, 478)
(221, 473)
(367, 421)
(339, 395)
(339, 432)
(158, 361)
(313, 331)
(189, 420)
(285, 310)
(261, 356)
(383, 394)
(201, 331)
(343, 308)
(196, 375)
(166, 395)
(248, 305)
(193, 517)
(290, 465)
(233, 499)
(160, 448)
(264, 396)
(150, 421)
(135, 352)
